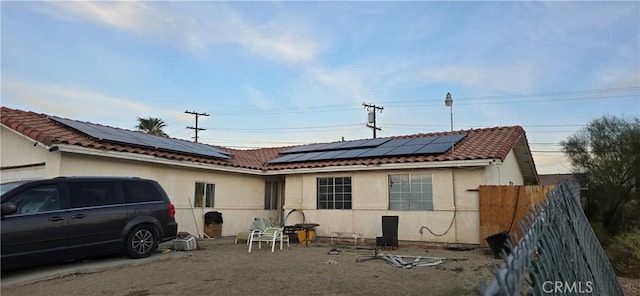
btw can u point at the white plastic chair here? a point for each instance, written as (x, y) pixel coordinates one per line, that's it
(270, 235)
(257, 225)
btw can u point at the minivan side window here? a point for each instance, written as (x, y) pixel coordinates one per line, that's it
(140, 192)
(93, 193)
(37, 199)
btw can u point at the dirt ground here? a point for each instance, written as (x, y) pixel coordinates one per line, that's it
(223, 268)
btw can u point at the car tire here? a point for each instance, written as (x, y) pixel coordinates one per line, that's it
(141, 241)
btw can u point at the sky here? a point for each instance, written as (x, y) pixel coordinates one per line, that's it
(271, 74)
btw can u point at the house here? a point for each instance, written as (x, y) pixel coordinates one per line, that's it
(343, 186)
(554, 179)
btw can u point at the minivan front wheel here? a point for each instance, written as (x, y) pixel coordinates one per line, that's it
(141, 241)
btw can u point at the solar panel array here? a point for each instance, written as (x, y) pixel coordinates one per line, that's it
(120, 136)
(379, 147)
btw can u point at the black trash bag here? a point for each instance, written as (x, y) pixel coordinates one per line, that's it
(498, 242)
(213, 217)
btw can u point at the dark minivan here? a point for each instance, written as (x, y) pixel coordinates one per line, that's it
(68, 218)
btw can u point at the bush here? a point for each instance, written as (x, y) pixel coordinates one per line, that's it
(624, 253)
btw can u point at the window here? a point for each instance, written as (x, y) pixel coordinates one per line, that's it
(410, 193)
(38, 199)
(205, 194)
(334, 193)
(271, 195)
(135, 191)
(93, 193)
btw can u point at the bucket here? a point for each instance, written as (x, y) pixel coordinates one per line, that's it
(302, 236)
(497, 243)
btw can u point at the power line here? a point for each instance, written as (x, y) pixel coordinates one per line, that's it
(372, 116)
(196, 128)
(584, 95)
(520, 98)
(580, 95)
(275, 129)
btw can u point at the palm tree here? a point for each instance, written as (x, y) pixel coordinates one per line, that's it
(152, 126)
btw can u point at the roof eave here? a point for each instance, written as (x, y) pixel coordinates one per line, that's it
(386, 166)
(524, 157)
(69, 148)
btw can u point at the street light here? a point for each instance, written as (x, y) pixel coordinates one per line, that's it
(449, 103)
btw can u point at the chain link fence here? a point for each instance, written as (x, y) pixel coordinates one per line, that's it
(558, 253)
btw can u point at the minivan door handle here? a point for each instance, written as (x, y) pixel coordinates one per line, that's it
(56, 218)
(77, 216)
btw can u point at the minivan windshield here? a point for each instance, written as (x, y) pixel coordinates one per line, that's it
(6, 187)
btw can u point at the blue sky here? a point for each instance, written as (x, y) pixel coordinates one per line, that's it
(287, 73)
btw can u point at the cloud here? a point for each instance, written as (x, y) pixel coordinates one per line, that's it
(66, 101)
(257, 98)
(552, 163)
(514, 77)
(364, 80)
(130, 16)
(199, 27)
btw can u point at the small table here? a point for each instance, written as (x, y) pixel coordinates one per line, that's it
(355, 236)
(307, 227)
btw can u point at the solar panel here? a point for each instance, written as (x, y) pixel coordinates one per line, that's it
(345, 145)
(369, 148)
(121, 136)
(333, 146)
(305, 156)
(404, 150)
(395, 143)
(328, 155)
(434, 148)
(380, 151)
(421, 141)
(353, 153)
(283, 159)
(377, 142)
(448, 139)
(305, 148)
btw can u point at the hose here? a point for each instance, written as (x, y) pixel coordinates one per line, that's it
(294, 210)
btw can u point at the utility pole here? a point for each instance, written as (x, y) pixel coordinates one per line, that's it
(372, 116)
(196, 128)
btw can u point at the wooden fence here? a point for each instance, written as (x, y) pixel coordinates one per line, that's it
(502, 207)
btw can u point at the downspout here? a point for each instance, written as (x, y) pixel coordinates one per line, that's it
(497, 166)
(455, 207)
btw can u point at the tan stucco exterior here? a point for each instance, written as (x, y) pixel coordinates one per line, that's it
(239, 194)
(27, 159)
(371, 202)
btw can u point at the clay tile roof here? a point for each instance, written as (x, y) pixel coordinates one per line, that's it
(484, 143)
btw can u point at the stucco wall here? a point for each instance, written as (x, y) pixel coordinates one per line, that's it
(371, 199)
(505, 173)
(17, 150)
(239, 197)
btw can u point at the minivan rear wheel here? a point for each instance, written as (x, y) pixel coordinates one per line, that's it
(141, 241)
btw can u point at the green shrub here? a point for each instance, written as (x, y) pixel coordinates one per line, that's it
(624, 253)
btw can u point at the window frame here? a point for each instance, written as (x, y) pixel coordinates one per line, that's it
(272, 195)
(334, 193)
(410, 192)
(102, 193)
(54, 190)
(204, 197)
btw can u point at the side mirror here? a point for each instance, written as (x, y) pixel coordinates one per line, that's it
(8, 208)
